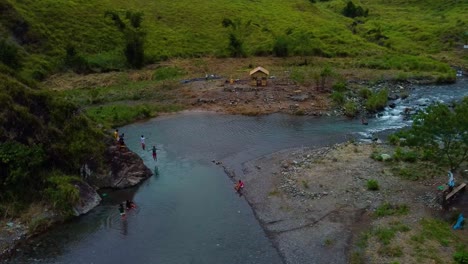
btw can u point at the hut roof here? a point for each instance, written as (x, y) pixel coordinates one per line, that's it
(259, 69)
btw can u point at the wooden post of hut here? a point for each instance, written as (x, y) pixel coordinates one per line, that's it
(259, 76)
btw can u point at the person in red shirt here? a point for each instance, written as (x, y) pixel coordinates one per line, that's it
(239, 186)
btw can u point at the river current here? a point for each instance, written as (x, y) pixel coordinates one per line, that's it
(188, 212)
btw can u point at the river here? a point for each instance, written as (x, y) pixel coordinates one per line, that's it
(188, 212)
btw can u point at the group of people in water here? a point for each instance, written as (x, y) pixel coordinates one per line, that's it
(126, 206)
(121, 141)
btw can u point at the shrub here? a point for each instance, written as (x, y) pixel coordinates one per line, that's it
(372, 185)
(338, 98)
(9, 54)
(402, 155)
(365, 93)
(461, 257)
(377, 101)
(339, 87)
(62, 193)
(351, 10)
(281, 47)
(350, 109)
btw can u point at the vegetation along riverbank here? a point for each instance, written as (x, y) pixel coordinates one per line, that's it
(72, 71)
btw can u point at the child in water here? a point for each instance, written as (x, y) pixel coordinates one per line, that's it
(155, 157)
(122, 209)
(130, 205)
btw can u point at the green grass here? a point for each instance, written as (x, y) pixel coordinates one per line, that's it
(387, 209)
(372, 185)
(115, 115)
(421, 36)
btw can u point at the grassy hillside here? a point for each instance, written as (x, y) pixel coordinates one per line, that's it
(396, 34)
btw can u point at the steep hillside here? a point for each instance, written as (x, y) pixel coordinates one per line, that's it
(43, 143)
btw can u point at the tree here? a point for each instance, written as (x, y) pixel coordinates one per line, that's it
(134, 49)
(239, 31)
(352, 11)
(442, 131)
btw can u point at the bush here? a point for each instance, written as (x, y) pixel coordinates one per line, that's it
(339, 87)
(351, 10)
(372, 185)
(281, 47)
(338, 98)
(402, 155)
(461, 257)
(9, 54)
(62, 193)
(350, 109)
(377, 101)
(365, 93)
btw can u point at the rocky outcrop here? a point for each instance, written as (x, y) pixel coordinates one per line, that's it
(126, 169)
(89, 198)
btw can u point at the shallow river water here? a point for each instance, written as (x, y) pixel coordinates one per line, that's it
(188, 212)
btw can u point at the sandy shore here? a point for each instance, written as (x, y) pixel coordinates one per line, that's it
(313, 203)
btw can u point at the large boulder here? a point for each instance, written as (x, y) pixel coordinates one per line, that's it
(124, 169)
(89, 198)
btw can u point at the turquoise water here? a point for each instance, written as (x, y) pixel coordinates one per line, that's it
(189, 213)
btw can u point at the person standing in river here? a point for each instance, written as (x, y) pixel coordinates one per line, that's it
(142, 140)
(155, 157)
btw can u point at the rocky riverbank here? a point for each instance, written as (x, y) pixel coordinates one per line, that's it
(313, 203)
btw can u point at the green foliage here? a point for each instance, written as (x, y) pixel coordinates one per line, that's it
(387, 209)
(372, 185)
(377, 101)
(461, 257)
(443, 132)
(281, 47)
(61, 192)
(75, 61)
(350, 109)
(39, 134)
(365, 93)
(9, 54)
(19, 166)
(134, 36)
(338, 98)
(405, 155)
(351, 10)
(339, 87)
